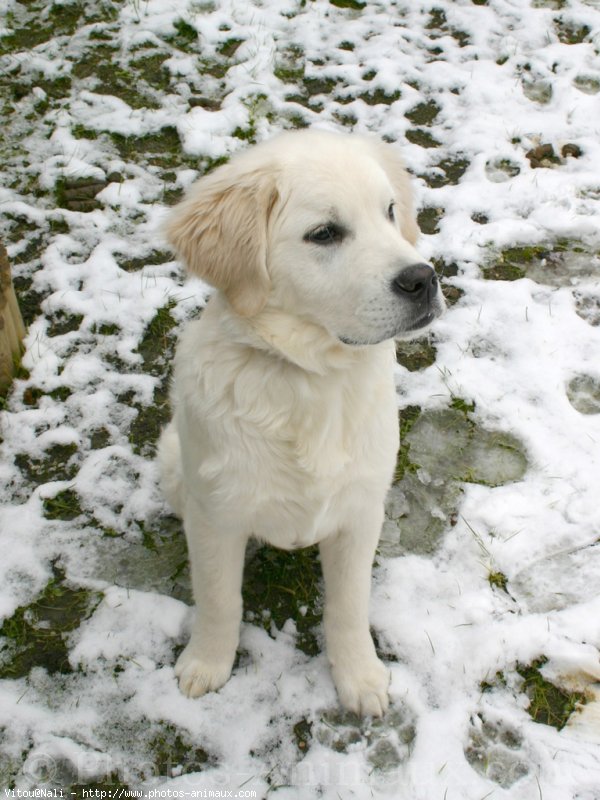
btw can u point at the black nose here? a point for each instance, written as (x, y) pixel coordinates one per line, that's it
(417, 282)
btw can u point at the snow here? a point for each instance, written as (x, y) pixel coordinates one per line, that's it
(511, 347)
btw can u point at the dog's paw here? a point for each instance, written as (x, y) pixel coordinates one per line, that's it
(362, 686)
(198, 675)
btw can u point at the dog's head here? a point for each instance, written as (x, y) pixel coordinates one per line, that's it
(316, 225)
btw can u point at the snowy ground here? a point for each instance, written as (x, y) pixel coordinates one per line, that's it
(110, 110)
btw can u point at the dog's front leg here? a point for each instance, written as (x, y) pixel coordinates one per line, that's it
(360, 678)
(217, 565)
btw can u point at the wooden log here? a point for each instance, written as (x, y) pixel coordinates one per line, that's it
(12, 329)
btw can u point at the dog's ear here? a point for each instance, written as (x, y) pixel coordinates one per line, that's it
(220, 231)
(389, 158)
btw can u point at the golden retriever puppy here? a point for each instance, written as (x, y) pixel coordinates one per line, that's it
(285, 412)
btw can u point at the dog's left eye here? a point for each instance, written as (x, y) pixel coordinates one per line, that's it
(391, 213)
(325, 234)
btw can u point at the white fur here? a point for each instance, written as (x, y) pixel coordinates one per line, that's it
(285, 414)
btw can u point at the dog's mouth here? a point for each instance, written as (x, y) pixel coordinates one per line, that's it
(410, 328)
(406, 332)
(422, 321)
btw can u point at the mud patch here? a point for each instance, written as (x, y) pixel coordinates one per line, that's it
(157, 563)
(428, 220)
(440, 452)
(583, 392)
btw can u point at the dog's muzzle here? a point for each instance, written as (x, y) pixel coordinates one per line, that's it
(417, 283)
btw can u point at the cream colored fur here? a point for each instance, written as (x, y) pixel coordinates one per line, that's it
(285, 413)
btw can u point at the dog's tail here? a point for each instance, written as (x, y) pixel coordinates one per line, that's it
(169, 464)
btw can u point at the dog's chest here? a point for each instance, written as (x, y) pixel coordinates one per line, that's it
(283, 452)
(333, 442)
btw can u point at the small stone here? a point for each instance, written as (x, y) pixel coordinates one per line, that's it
(539, 155)
(84, 206)
(83, 191)
(208, 103)
(571, 149)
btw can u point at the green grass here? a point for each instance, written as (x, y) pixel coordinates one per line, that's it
(229, 47)
(157, 348)
(570, 32)
(150, 68)
(56, 465)
(63, 506)
(423, 113)
(422, 137)
(136, 264)
(281, 585)
(380, 97)
(428, 219)
(498, 580)
(61, 323)
(548, 703)
(355, 5)
(459, 404)
(34, 23)
(438, 25)
(37, 635)
(513, 262)
(158, 342)
(162, 148)
(185, 36)
(504, 272)
(171, 748)
(416, 354)
(446, 172)
(407, 418)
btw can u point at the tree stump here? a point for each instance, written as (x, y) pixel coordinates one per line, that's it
(12, 329)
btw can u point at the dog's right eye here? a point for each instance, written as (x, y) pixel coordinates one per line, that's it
(325, 234)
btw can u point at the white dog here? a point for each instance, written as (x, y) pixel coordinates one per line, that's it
(285, 413)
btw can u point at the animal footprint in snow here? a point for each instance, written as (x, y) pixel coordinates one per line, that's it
(496, 752)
